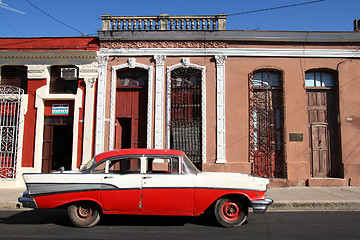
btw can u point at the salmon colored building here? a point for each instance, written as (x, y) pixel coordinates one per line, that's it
(47, 102)
(282, 105)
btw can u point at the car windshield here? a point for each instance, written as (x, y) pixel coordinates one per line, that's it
(87, 165)
(188, 166)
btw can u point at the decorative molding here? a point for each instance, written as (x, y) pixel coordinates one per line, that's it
(164, 44)
(89, 70)
(235, 52)
(159, 100)
(131, 63)
(220, 109)
(185, 62)
(90, 82)
(100, 109)
(36, 71)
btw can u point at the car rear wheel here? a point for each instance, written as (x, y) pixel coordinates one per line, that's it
(83, 215)
(230, 212)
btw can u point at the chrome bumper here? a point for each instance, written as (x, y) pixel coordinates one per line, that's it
(261, 206)
(27, 201)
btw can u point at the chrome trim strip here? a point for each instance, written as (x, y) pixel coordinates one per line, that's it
(261, 206)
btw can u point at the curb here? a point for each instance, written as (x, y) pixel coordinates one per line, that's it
(320, 205)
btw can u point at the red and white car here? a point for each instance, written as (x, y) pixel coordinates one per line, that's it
(146, 182)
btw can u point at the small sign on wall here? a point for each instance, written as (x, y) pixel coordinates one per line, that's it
(60, 109)
(296, 137)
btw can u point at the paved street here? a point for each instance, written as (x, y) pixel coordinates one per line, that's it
(41, 224)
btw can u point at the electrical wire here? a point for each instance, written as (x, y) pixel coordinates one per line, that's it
(54, 18)
(274, 8)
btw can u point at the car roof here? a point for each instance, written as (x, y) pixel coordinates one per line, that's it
(137, 151)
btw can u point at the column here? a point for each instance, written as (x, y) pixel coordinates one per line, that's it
(220, 108)
(159, 101)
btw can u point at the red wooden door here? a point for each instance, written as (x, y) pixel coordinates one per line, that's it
(131, 114)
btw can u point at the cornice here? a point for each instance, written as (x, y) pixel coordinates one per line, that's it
(234, 52)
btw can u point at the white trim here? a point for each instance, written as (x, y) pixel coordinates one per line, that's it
(88, 120)
(130, 64)
(220, 109)
(100, 105)
(159, 101)
(235, 52)
(185, 63)
(42, 94)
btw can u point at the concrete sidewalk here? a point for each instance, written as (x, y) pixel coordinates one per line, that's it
(315, 198)
(289, 198)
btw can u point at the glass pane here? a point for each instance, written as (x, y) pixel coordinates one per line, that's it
(317, 79)
(309, 79)
(278, 143)
(255, 140)
(52, 120)
(257, 79)
(265, 78)
(255, 118)
(274, 79)
(327, 80)
(277, 116)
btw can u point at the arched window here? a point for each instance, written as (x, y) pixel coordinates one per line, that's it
(186, 114)
(266, 115)
(319, 79)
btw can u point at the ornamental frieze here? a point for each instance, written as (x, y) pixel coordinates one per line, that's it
(164, 44)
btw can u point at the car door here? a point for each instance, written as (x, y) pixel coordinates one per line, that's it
(121, 186)
(165, 191)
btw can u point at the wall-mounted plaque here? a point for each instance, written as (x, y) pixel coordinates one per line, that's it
(296, 137)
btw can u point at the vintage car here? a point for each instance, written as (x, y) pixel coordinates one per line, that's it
(146, 182)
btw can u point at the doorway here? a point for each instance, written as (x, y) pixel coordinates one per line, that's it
(57, 144)
(131, 108)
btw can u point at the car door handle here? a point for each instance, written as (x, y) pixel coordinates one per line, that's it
(147, 177)
(108, 177)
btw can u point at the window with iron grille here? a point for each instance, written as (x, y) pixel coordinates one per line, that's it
(62, 85)
(266, 118)
(15, 76)
(186, 121)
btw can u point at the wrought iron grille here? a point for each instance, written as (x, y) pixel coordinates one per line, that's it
(186, 122)
(10, 103)
(266, 124)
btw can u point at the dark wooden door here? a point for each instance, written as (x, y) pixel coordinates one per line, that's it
(47, 148)
(322, 131)
(131, 114)
(320, 150)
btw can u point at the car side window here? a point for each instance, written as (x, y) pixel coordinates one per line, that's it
(125, 166)
(100, 168)
(162, 165)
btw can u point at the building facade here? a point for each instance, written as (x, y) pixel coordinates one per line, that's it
(275, 104)
(281, 105)
(47, 96)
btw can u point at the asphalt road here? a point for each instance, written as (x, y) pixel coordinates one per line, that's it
(41, 224)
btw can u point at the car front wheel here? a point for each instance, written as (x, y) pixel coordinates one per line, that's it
(230, 212)
(83, 215)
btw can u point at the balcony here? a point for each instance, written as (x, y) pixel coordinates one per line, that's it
(164, 22)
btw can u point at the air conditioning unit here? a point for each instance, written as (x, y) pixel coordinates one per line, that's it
(69, 73)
